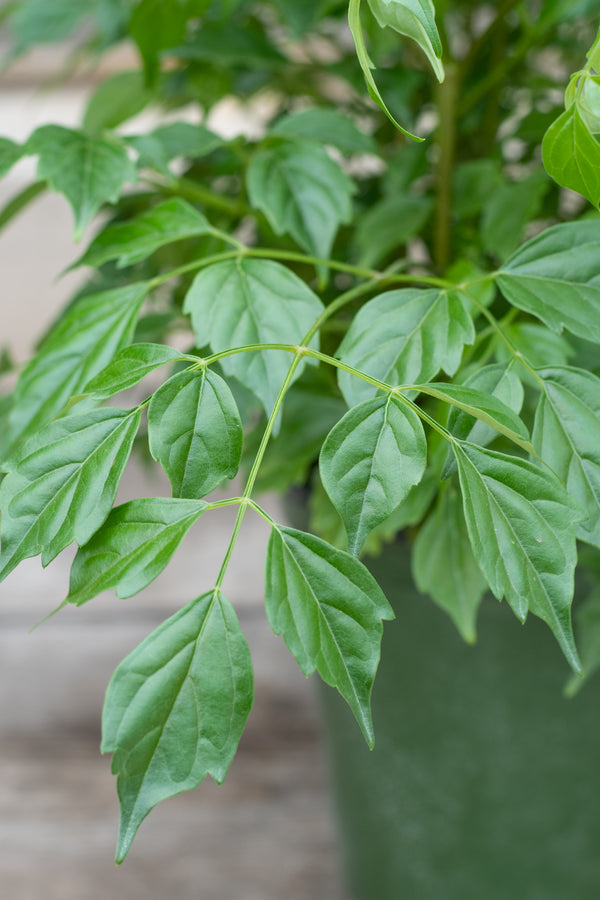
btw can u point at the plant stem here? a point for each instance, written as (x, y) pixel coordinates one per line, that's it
(447, 93)
(198, 193)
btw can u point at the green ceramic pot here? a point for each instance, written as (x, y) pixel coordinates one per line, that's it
(485, 780)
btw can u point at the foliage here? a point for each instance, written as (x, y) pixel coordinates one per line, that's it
(437, 393)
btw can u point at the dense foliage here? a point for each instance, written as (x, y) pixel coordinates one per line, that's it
(376, 303)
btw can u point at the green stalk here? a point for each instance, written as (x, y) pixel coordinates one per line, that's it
(447, 94)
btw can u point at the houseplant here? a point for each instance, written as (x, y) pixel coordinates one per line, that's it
(391, 307)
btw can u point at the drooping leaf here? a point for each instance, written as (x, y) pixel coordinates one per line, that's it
(115, 100)
(416, 20)
(370, 461)
(9, 154)
(520, 523)
(325, 126)
(82, 342)
(179, 139)
(404, 337)
(389, 224)
(251, 301)
(132, 547)
(176, 708)
(566, 434)
(571, 155)
(194, 432)
(88, 170)
(130, 242)
(443, 564)
(329, 608)
(129, 366)
(302, 192)
(556, 277)
(61, 485)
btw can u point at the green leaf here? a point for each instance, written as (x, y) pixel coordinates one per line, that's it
(179, 139)
(194, 432)
(10, 153)
(325, 126)
(89, 171)
(129, 366)
(539, 346)
(329, 608)
(443, 564)
(61, 485)
(38, 21)
(176, 708)
(132, 547)
(519, 519)
(508, 211)
(370, 461)
(571, 155)
(156, 25)
(130, 242)
(556, 277)
(367, 66)
(587, 624)
(403, 337)
(302, 192)
(566, 434)
(389, 224)
(416, 20)
(115, 100)
(82, 342)
(251, 301)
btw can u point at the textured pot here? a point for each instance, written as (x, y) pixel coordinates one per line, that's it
(485, 781)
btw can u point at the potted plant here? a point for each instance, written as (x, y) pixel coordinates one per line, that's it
(400, 324)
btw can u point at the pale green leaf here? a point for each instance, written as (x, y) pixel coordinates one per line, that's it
(79, 346)
(416, 20)
(89, 171)
(369, 462)
(571, 155)
(130, 242)
(404, 337)
(443, 564)
(250, 301)
(130, 366)
(325, 126)
(132, 547)
(62, 483)
(302, 192)
(176, 708)
(115, 100)
(566, 435)
(9, 154)
(329, 608)
(194, 432)
(556, 277)
(519, 518)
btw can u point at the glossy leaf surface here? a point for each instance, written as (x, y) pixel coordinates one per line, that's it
(129, 366)
(194, 432)
(519, 518)
(571, 155)
(132, 547)
(62, 484)
(329, 608)
(416, 20)
(251, 301)
(369, 462)
(405, 337)
(176, 708)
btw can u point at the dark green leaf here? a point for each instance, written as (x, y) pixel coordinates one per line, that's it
(115, 100)
(129, 366)
(329, 608)
(389, 224)
(325, 126)
(566, 435)
(9, 154)
(443, 564)
(176, 708)
(302, 192)
(519, 519)
(571, 155)
(508, 211)
(370, 461)
(415, 19)
(130, 242)
(556, 277)
(194, 431)
(405, 336)
(252, 301)
(61, 485)
(82, 342)
(88, 171)
(132, 547)
(157, 25)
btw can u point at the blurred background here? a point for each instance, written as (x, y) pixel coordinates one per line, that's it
(266, 833)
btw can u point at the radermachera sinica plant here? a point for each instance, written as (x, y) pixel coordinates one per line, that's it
(394, 304)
